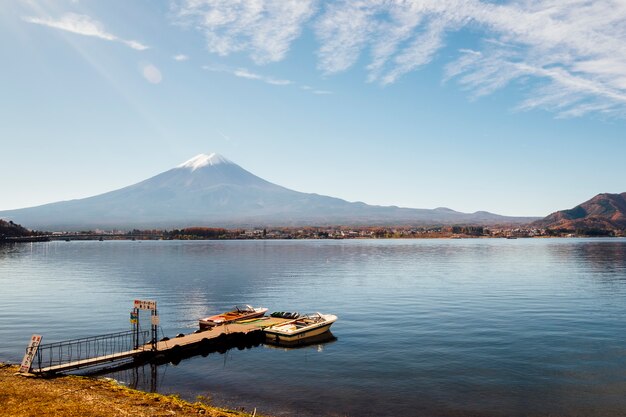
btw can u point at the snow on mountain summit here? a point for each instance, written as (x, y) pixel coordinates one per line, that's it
(202, 160)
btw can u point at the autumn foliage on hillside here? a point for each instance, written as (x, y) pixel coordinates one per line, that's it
(10, 229)
(602, 212)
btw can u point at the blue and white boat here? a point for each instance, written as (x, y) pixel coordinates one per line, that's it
(300, 328)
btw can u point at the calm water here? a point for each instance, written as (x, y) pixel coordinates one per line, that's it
(426, 327)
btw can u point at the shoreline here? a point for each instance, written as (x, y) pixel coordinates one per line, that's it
(74, 396)
(434, 236)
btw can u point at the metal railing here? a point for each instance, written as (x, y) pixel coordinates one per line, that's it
(83, 349)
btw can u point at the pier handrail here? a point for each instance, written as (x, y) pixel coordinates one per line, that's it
(78, 350)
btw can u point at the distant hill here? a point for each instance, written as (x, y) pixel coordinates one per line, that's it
(210, 190)
(602, 212)
(10, 229)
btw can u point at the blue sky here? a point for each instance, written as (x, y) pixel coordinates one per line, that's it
(515, 108)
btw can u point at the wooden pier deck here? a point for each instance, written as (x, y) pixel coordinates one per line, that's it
(207, 338)
(244, 327)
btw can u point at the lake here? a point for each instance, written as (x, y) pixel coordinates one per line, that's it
(470, 327)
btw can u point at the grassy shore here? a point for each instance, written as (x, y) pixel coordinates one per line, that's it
(75, 396)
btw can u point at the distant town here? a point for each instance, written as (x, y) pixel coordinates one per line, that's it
(327, 232)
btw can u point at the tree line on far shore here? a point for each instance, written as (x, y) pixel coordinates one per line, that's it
(9, 230)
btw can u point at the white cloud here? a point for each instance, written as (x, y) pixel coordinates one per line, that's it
(569, 55)
(83, 25)
(575, 52)
(244, 73)
(152, 74)
(264, 28)
(343, 31)
(180, 57)
(421, 51)
(275, 81)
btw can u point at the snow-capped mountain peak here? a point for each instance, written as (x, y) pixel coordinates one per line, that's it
(202, 160)
(209, 190)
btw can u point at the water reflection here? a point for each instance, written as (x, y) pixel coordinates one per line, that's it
(601, 253)
(144, 376)
(148, 375)
(426, 327)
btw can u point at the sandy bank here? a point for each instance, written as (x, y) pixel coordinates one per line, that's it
(74, 396)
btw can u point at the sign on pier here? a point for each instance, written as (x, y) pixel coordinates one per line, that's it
(31, 350)
(154, 320)
(145, 305)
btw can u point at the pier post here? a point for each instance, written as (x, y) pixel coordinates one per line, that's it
(154, 320)
(134, 319)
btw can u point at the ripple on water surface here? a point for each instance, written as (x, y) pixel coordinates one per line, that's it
(426, 327)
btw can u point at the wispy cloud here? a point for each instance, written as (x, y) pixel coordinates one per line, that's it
(275, 81)
(83, 25)
(249, 75)
(245, 73)
(568, 56)
(180, 57)
(265, 28)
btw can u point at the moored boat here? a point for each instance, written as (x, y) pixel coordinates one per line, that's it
(300, 328)
(239, 313)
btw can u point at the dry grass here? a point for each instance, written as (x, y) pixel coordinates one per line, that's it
(74, 396)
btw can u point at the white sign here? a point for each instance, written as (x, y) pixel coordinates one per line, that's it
(155, 320)
(31, 350)
(145, 305)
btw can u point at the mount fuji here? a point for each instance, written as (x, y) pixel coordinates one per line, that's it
(210, 190)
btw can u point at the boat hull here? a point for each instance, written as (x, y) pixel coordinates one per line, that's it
(321, 339)
(282, 337)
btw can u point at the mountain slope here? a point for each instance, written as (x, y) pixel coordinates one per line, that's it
(604, 211)
(210, 190)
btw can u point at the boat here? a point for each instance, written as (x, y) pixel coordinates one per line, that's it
(300, 328)
(241, 312)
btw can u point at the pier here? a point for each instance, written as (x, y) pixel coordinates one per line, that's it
(116, 348)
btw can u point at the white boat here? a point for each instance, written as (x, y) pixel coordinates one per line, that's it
(300, 328)
(239, 313)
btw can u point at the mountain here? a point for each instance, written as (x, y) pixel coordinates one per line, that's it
(604, 212)
(210, 190)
